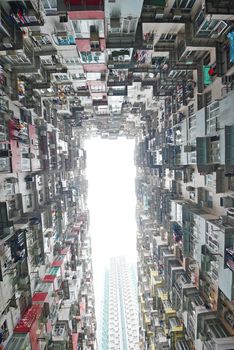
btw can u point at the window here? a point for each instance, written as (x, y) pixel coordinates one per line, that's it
(28, 200)
(208, 28)
(61, 77)
(191, 109)
(72, 61)
(168, 37)
(20, 58)
(64, 39)
(47, 60)
(98, 88)
(208, 180)
(42, 40)
(82, 28)
(133, 23)
(12, 208)
(212, 118)
(200, 19)
(41, 196)
(49, 4)
(114, 30)
(77, 28)
(129, 25)
(78, 76)
(208, 98)
(192, 122)
(209, 199)
(186, 4)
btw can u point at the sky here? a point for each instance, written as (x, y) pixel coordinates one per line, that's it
(111, 201)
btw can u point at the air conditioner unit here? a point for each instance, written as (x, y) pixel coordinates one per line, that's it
(7, 43)
(177, 14)
(159, 14)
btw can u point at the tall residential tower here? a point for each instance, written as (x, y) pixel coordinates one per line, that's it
(120, 308)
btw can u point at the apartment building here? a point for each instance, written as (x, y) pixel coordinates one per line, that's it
(157, 71)
(47, 297)
(184, 180)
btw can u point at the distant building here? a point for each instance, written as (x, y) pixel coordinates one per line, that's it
(119, 329)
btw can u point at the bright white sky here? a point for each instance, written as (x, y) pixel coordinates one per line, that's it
(111, 201)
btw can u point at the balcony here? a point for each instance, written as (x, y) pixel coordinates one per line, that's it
(100, 102)
(11, 209)
(119, 78)
(18, 341)
(117, 92)
(207, 154)
(11, 37)
(82, 91)
(208, 28)
(26, 14)
(222, 7)
(92, 57)
(60, 332)
(189, 52)
(63, 39)
(126, 37)
(175, 64)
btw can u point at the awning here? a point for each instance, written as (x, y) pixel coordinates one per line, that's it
(49, 278)
(57, 263)
(30, 316)
(76, 15)
(40, 297)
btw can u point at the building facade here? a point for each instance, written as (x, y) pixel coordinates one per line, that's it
(157, 71)
(120, 328)
(184, 180)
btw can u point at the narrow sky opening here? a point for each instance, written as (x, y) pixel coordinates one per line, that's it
(111, 201)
